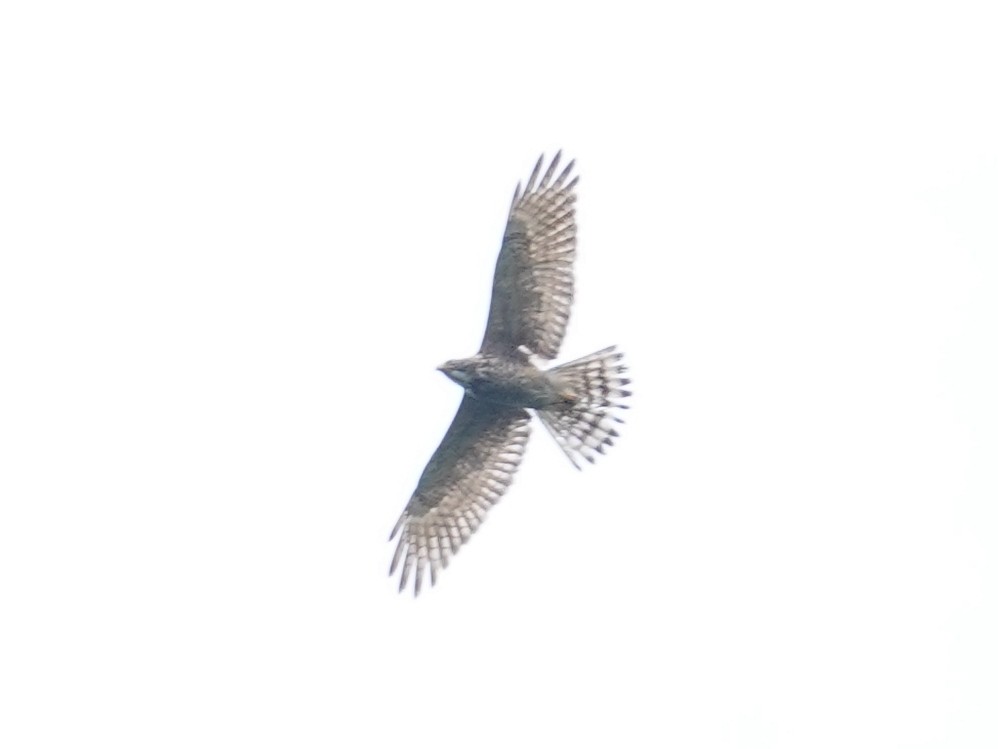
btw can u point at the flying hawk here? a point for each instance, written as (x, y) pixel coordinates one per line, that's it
(577, 402)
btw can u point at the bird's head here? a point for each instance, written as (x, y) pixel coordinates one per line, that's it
(460, 370)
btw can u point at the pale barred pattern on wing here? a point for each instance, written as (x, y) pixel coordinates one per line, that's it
(587, 427)
(468, 474)
(534, 285)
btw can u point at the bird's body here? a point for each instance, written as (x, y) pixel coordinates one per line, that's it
(577, 402)
(507, 382)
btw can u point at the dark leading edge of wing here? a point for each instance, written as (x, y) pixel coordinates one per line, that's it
(533, 286)
(469, 472)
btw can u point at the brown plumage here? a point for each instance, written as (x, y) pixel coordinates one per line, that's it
(577, 402)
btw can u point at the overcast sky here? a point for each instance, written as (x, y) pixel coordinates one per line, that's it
(236, 239)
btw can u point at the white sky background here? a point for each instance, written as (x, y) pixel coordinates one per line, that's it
(238, 238)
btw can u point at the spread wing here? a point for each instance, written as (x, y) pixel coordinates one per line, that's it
(533, 285)
(469, 472)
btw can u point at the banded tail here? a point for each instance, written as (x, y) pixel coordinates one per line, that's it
(586, 425)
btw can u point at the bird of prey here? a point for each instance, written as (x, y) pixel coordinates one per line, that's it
(577, 402)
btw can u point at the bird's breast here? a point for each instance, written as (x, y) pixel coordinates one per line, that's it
(515, 385)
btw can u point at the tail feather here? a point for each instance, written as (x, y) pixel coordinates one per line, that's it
(585, 425)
